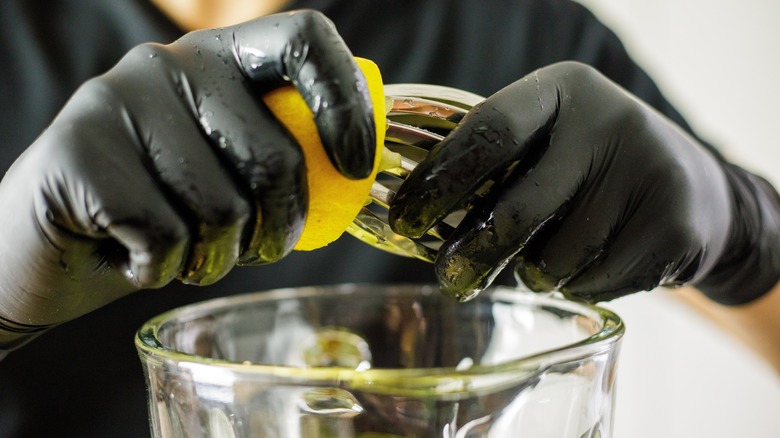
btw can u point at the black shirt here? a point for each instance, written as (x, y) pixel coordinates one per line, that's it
(83, 379)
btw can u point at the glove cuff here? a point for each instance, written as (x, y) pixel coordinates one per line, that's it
(750, 264)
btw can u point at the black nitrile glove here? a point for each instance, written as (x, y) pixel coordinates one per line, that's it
(596, 195)
(171, 166)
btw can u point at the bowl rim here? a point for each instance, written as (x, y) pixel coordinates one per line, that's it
(152, 350)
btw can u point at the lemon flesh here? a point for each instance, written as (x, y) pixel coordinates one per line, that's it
(334, 200)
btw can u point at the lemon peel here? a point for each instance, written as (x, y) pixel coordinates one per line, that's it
(334, 200)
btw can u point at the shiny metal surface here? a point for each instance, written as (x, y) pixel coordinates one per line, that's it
(419, 116)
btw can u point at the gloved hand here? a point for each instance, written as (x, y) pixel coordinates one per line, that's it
(170, 166)
(594, 194)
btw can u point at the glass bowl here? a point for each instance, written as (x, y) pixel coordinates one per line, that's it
(383, 361)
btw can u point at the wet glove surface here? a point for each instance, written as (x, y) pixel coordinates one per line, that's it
(169, 165)
(593, 193)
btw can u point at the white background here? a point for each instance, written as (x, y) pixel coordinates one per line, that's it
(719, 63)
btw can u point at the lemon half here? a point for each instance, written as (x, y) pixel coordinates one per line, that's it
(334, 200)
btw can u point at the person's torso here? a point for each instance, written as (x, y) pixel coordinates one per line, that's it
(83, 378)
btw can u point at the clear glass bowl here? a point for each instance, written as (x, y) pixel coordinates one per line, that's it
(383, 361)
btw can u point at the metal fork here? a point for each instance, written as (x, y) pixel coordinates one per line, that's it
(418, 118)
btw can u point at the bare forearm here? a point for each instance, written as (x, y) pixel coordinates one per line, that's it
(757, 323)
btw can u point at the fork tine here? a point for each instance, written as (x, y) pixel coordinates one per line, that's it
(418, 116)
(383, 196)
(402, 133)
(375, 231)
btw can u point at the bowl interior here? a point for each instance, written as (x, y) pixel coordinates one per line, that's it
(378, 327)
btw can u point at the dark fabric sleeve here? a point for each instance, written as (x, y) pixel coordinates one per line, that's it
(598, 46)
(56, 45)
(486, 45)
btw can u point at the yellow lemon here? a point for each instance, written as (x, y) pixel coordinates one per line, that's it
(334, 200)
